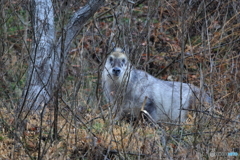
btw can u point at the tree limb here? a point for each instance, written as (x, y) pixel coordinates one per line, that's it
(47, 60)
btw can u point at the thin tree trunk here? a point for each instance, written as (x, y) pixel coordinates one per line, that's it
(48, 57)
(3, 28)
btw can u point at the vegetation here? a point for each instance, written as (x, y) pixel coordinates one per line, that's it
(190, 41)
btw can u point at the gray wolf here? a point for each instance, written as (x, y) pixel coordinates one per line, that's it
(126, 89)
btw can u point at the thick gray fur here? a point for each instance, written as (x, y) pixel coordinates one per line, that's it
(126, 88)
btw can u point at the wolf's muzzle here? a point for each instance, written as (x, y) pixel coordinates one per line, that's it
(116, 71)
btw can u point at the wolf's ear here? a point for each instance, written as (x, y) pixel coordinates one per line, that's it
(117, 49)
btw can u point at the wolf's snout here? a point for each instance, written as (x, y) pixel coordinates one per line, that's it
(116, 71)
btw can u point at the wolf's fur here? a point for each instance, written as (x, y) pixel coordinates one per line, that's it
(126, 88)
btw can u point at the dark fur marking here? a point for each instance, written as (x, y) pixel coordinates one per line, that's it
(117, 63)
(150, 106)
(134, 76)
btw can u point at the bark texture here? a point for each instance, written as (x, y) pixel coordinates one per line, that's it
(48, 55)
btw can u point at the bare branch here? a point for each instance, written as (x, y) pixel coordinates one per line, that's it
(78, 20)
(47, 60)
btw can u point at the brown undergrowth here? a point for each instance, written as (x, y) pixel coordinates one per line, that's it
(87, 136)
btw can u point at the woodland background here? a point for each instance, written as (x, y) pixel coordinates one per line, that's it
(191, 41)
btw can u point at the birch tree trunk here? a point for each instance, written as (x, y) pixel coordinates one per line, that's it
(48, 55)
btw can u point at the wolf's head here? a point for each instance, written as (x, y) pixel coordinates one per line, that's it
(117, 63)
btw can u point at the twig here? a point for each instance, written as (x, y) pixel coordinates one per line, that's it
(207, 113)
(130, 153)
(136, 4)
(196, 133)
(78, 117)
(179, 54)
(163, 136)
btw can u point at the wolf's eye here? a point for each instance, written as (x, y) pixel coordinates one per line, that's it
(123, 60)
(110, 59)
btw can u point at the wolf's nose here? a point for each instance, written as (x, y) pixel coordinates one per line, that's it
(116, 71)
